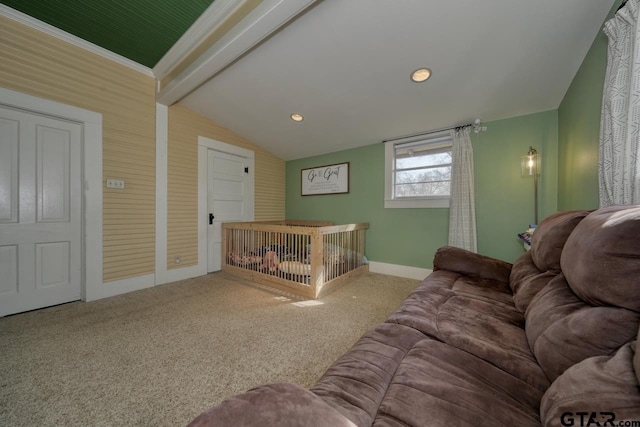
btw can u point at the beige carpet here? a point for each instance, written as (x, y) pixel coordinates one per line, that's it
(163, 355)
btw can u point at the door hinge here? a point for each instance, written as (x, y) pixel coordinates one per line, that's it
(246, 170)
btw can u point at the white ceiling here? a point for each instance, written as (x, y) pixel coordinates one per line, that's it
(345, 66)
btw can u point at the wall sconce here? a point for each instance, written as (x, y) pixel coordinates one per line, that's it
(530, 165)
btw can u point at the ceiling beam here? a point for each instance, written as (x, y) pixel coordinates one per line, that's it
(260, 23)
(208, 22)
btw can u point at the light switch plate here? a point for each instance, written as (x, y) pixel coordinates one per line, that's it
(115, 183)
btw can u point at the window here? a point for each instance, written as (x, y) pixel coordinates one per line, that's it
(418, 172)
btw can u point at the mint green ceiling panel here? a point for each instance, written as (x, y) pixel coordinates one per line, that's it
(141, 30)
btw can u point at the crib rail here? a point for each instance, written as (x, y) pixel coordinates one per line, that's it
(296, 222)
(303, 257)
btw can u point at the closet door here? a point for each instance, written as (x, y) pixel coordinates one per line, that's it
(227, 197)
(40, 211)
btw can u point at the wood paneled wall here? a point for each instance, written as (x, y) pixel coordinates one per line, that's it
(182, 157)
(40, 65)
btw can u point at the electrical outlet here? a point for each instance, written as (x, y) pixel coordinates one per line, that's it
(115, 183)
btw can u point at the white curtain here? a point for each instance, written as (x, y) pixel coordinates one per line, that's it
(618, 168)
(462, 207)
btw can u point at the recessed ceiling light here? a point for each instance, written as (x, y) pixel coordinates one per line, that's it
(420, 75)
(297, 117)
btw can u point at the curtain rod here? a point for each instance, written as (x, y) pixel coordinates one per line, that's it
(426, 133)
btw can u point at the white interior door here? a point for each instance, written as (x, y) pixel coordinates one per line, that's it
(227, 182)
(40, 211)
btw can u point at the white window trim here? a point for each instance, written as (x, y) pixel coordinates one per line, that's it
(417, 202)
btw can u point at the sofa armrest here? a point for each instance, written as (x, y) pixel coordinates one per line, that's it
(471, 264)
(273, 405)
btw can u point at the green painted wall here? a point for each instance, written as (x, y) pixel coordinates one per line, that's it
(579, 129)
(411, 236)
(396, 236)
(505, 198)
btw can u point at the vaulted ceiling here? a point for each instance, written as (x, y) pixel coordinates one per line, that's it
(345, 65)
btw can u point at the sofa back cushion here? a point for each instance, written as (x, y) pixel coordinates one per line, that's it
(636, 360)
(602, 390)
(548, 241)
(563, 330)
(534, 269)
(527, 280)
(593, 307)
(601, 260)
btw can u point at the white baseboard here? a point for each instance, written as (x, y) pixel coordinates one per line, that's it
(181, 274)
(399, 270)
(117, 287)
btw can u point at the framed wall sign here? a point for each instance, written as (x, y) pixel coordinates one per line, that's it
(330, 179)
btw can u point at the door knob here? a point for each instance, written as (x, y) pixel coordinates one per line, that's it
(211, 217)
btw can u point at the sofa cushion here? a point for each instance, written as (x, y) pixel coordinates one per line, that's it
(493, 333)
(593, 307)
(283, 405)
(527, 280)
(439, 385)
(601, 260)
(563, 330)
(636, 361)
(475, 315)
(550, 237)
(534, 269)
(420, 309)
(357, 382)
(606, 388)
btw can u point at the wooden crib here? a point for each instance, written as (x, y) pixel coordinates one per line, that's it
(306, 258)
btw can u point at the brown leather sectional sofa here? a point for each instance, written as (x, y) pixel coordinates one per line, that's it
(549, 340)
